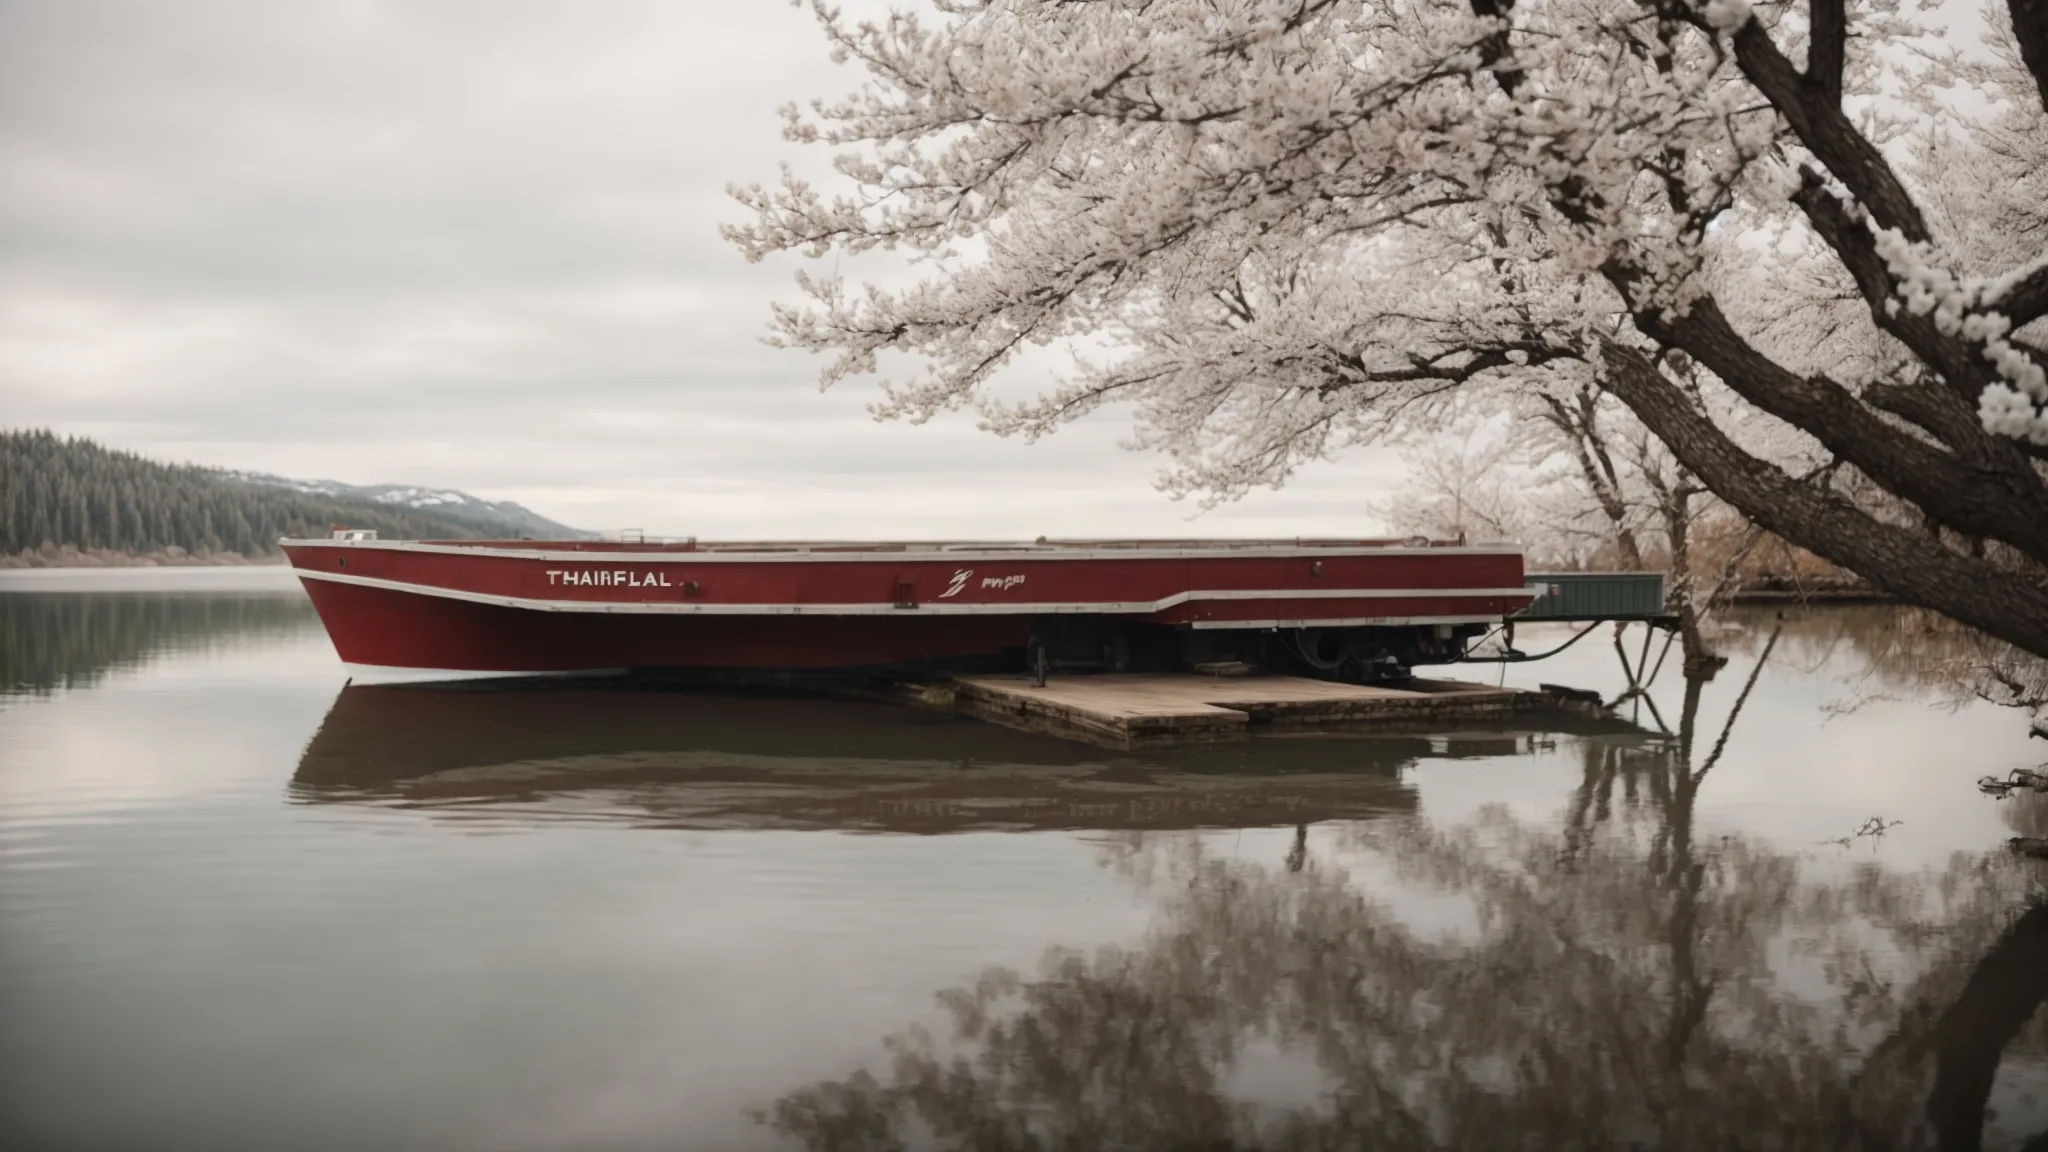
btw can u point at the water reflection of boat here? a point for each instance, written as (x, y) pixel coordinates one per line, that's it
(693, 760)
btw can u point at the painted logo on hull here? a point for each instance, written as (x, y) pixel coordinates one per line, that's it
(613, 578)
(960, 579)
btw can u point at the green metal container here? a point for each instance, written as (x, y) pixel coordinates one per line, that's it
(1584, 596)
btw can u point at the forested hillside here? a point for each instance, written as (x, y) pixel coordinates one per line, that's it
(58, 493)
(500, 518)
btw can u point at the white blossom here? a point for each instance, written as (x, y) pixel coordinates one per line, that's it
(1726, 15)
(1282, 227)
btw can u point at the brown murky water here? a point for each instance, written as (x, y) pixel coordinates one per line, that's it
(245, 906)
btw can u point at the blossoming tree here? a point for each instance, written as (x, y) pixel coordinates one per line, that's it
(1297, 225)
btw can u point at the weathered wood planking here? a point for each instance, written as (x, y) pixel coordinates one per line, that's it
(1133, 706)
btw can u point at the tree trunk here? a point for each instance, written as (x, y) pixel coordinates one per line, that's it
(2009, 985)
(1896, 560)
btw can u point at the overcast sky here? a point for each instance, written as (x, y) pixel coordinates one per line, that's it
(475, 245)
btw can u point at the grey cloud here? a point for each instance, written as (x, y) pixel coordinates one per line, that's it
(475, 244)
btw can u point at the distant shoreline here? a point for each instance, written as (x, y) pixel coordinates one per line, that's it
(107, 558)
(1816, 596)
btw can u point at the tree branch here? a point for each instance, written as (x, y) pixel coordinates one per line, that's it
(1486, 360)
(1830, 36)
(1494, 48)
(1904, 563)
(1821, 125)
(1596, 466)
(1951, 357)
(2026, 301)
(1935, 410)
(2030, 27)
(1971, 496)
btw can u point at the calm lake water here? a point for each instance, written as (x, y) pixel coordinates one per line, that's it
(247, 906)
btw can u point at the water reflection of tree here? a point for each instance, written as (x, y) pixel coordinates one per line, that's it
(2027, 813)
(1625, 985)
(1911, 651)
(62, 640)
(1897, 651)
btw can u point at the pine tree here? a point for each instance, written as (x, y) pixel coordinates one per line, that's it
(71, 492)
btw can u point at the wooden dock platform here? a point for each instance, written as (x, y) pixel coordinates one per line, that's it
(1138, 707)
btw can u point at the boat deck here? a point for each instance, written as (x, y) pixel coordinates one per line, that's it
(1043, 546)
(1133, 707)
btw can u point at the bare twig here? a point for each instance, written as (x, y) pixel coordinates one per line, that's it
(1873, 828)
(2020, 780)
(1722, 743)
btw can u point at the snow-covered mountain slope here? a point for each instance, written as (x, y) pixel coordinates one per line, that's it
(512, 519)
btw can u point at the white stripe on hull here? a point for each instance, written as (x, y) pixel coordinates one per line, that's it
(992, 553)
(1346, 622)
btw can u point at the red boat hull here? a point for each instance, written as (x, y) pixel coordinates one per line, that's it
(382, 628)
(521, 607)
